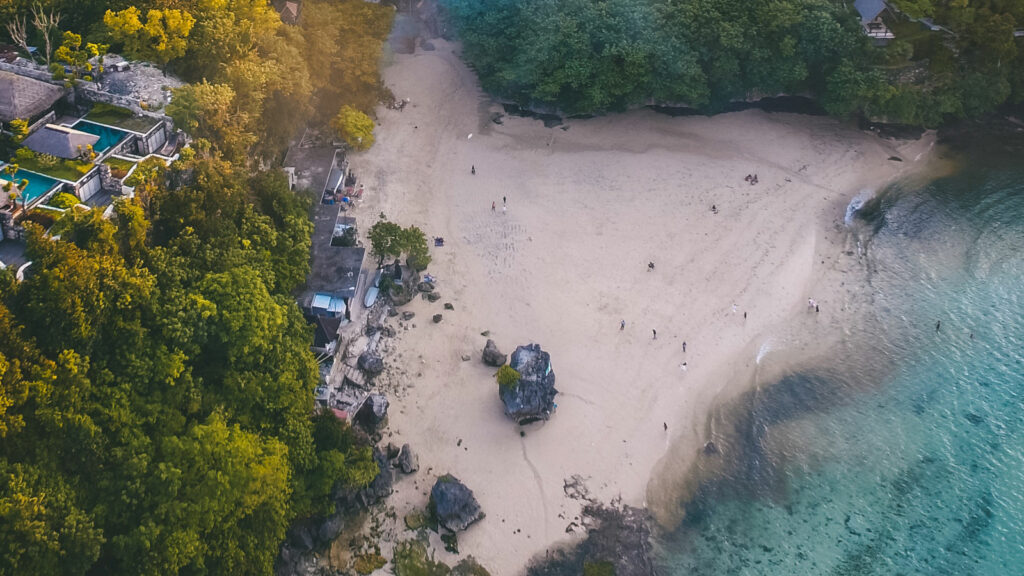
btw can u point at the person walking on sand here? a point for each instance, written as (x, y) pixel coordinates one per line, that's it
(655, 334)
(504, 200)
(622, 325)
(684, 346)
(493, 205)
(472, 170)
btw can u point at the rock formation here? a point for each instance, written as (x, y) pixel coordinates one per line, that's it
(373, 413)
(370, 363)
(533, 397)
(492, 356)
(453, 504)
(407, 460)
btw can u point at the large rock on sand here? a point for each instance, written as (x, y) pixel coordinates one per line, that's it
(492, 356)
(453, 504)
(407, 460)
(533, 398)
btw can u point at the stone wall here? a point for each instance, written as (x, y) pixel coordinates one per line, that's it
(30, 71)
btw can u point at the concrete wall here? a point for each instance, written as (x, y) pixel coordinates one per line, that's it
(88, 187)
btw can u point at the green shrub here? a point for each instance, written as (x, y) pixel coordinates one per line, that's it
(508, 377)
(411, 559)
(63, 200)
(367, 563)
(22, 154)
(603, 568)
(469, 567)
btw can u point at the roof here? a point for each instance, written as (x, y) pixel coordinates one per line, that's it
(60, 141)
(290, 12)
(23, 97)
(869, 9)
(325, 331)
(335, 271)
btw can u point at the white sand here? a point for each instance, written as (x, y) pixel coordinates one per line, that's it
(587, 209)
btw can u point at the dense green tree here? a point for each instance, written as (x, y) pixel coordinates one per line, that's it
(42, 528)
(354, 127)
(581, 56)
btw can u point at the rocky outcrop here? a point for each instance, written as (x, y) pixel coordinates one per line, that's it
(453, 504)
(492, 356)
(407, 461)
(370, 363)
(373, 414)
(533, 397)
(618, 538)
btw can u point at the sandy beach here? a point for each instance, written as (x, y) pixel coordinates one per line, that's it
(588, 205)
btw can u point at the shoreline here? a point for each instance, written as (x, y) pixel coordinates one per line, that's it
(590, 204)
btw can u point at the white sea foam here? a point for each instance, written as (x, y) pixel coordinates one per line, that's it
(857, 203)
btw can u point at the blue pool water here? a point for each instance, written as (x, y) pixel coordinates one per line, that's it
(904, 453)
(108, 136)
(38, 184)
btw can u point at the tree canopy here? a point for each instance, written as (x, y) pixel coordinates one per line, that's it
(156, 385)
(581, 56)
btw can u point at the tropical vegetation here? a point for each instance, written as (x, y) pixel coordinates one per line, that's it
(582, 56)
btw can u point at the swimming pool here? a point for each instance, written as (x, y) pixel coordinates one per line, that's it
(108, 136)
(38, 185)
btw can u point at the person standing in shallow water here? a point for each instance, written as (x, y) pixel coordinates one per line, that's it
(938, 324)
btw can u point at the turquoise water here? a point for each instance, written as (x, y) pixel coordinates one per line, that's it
(904, 455)
(108, 136)
(37, 184)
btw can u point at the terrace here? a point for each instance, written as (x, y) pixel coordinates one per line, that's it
(120, 118)
(67, 170)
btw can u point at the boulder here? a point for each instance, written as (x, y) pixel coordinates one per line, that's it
(492, 356)
(370, 363)
(425, 287)
(330, 528)
(408, 462)
(408, 315)
(437, 318)
(533, 397)
(449, 306)
(301, 536)
(453, 504)
(433, 296)
(373, 414)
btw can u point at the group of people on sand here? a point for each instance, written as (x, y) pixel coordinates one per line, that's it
(752, 178)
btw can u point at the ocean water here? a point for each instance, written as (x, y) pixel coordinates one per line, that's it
(903, 454)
